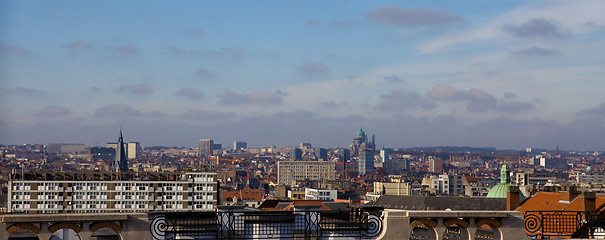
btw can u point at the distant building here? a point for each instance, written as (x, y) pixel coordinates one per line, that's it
(303, 145)
(296, 171)
(133, 150)
(384, 155)
(366, 162)
(321, 154)
(95, 192)
(389, 188)
(295, 154)
(239, 145)
(344, 154)
(217, 146)
(121, 161)
(64, 148)
(320, 194)
(206, 146)
(591, 178)
(101, 153)
(446, 184)
(360, 143)
(435, 165)
(397, 164)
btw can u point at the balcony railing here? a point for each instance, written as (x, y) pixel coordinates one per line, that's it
(564, 224)
(354, 224)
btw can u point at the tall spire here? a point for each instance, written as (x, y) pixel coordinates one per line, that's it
(121, 161)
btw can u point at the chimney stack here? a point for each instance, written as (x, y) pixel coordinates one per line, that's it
(513, 198)
(588, 201)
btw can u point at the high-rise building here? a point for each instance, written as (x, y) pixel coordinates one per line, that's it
(239, 145)
(321, 154)
(303, 145)
(396, 165)
(133, 150)
(94, 192)
(295, 154)
(435, 165)
(292, 171)
(121, 162)
(384, 155)
(366, 162)
(206, 146)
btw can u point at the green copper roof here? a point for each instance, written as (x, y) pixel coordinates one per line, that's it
(361, 133)
(500, 190)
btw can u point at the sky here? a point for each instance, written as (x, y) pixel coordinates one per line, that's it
(504, 74)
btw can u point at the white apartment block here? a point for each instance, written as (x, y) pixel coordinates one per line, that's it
(94, 192)
(320, 194)
(295, 171)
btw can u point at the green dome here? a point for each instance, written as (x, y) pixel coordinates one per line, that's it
(361, 133)
(499, 191)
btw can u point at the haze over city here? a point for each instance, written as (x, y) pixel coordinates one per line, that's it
(504, 74)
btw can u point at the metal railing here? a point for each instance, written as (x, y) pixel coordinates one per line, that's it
(571, 224)
(356, 224)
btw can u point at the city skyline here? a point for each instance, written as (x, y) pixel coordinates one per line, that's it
(504, 74)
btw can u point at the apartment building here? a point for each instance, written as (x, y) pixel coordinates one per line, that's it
(292, 171)
(94, 192)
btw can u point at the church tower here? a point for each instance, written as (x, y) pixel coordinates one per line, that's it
(121, 161)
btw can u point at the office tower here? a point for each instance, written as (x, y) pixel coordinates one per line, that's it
(95, 192)
(321, 154)
(239, 145)
(384, 155)
(303, 145)
(291, 171)
(121, 162)
(366, 162)
(133, 150)
(396, 165)
(435, 165)
(206, 146)
(295, 154)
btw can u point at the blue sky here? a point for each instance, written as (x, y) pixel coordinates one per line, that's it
(507, 74)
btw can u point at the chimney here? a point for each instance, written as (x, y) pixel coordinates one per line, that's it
(512, 198)
(568, 196)
(588, 201)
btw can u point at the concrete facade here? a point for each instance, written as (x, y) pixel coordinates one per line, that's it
(126, 226)
(506, 225)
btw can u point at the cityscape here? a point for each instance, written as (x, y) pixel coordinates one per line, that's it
(309, 119)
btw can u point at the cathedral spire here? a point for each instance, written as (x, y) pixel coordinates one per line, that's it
(121, 161)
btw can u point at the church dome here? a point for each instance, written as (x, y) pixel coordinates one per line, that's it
(500, 190)
(360, 133)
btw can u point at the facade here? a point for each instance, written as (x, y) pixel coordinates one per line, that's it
(321, 154)
(133, 150)
(397, 165)
(96, 192)
(293, 171)
(239, 145)
(63, 148)
(295, 154)
(435, 165)
(447, 184)
(384, 155)
(591, 178)
(366, 162)
(206, 146)
(320, 194)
